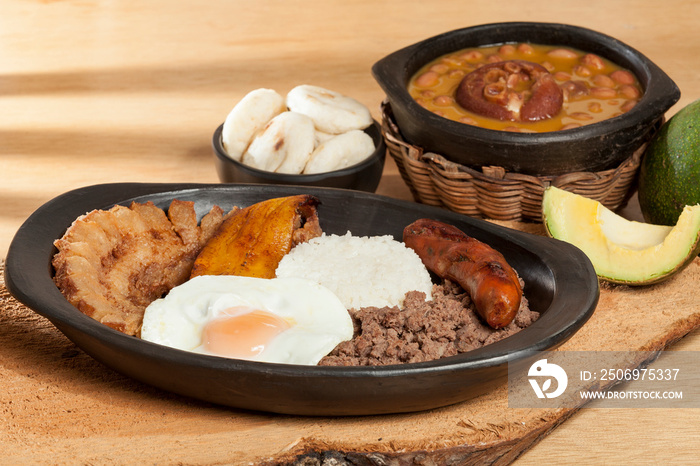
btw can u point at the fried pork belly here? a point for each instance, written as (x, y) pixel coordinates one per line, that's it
(112, 264)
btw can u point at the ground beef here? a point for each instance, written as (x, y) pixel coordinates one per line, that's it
(422, 331)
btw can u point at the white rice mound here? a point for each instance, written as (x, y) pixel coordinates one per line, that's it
(362, 271)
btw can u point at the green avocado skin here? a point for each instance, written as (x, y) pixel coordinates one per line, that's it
(669, 176)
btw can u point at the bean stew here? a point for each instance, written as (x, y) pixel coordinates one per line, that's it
(525, 87)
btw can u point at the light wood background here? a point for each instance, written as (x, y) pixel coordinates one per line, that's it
(94, 92)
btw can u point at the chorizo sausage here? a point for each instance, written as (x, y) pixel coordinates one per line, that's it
(483, 272)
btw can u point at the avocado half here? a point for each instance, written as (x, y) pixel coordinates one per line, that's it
(622, 251)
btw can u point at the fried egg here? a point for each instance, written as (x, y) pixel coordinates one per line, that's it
(281, 320)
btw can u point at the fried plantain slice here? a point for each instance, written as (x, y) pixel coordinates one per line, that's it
(252, 241)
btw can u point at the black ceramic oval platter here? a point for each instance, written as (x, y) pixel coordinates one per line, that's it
(560, 283)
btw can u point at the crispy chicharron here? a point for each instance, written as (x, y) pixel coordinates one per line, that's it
(111, 264)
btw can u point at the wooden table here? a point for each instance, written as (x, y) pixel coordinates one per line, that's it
(95, 92)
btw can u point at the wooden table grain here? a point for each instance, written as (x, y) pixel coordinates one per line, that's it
(98, 92)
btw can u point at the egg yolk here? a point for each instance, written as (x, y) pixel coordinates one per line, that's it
(243, 335)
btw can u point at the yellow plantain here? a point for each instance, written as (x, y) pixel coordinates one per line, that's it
(252, 241)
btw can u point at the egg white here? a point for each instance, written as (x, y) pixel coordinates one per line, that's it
(319, 321)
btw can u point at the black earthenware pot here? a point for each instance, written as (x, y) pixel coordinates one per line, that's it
(593, 147)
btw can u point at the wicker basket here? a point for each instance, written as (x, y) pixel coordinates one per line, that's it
(493, 192)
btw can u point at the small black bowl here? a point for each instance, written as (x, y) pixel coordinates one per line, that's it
(594, 147)
(364, 176)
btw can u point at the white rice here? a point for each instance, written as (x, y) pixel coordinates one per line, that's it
(362, 271)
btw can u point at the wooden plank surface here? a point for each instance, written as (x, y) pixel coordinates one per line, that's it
(94, 92)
